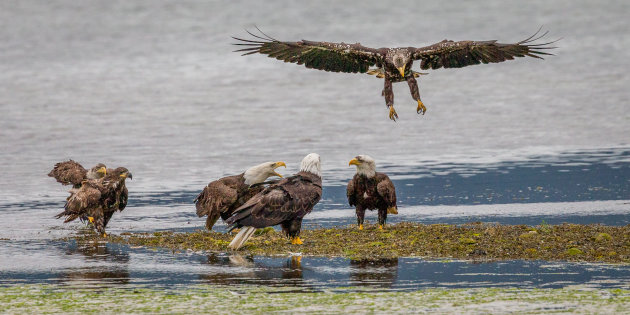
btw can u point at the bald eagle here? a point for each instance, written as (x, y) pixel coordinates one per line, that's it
(285, 202)
(371, 190)
(222, 196)
(71, 172)
(392, 64)
(98, 199)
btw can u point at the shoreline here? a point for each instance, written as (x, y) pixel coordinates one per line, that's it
(471, 241)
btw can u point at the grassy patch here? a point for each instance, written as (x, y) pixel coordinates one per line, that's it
(45, 299)
(572, 242)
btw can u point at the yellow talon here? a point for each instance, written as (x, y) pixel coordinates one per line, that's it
(392, 113)
(91, 219)
(380, 227)
(360, 226)
(104, 234)
(296, 241)
(421, 108)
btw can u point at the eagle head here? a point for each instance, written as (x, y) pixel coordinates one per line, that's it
(365, 165)
(98, 171)
(312, 164)
(399, 57)
(259, 173)
(122, 172)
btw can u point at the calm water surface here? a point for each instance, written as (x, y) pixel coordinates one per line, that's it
(155, 87)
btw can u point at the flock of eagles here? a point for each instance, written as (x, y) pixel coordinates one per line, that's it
(248, 201)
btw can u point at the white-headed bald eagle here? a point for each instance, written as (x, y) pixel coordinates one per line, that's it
(285, 202)
(222, 196)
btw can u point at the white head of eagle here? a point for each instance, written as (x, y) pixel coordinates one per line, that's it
(365, 165)
(312, 164)
(260, 173)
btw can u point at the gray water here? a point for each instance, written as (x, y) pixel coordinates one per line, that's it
(155, 87)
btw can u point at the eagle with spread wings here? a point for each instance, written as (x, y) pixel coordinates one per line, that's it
(392, 64)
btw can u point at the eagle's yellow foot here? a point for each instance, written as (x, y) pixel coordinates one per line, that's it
(421, 108)
(392, 113)
(360, 226)
(91, 219)
(380, 227)
(104, 234)
(296, 241)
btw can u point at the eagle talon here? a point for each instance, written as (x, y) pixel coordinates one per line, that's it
(392, 113)
(360, 227)
(296, 241)
(421, 108)
(380, 227)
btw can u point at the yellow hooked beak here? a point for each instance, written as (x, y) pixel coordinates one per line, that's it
(125, 175)
(402, 71)
(354, 162)
(278, 164)
(102, 170)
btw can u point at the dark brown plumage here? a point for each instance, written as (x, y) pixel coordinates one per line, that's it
(98, 199)
(392, 64)
(221, 197)
(72, 173)
(284, 203)
(371, 190)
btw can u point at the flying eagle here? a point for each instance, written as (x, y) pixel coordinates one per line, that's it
(392, 64)
(285, 202)
(98, 199)
(71, 172)
(222, 196)
(371, 190)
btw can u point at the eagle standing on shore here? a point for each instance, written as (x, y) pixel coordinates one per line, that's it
(222, 196)
(285, 202)
(371, 190)
(392, 64)
(71, 172)
(98, 199)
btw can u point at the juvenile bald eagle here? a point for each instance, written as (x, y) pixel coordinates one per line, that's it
(98, 199)
(371, 190)
(222, 196)
(285, 202)
(71, 172)
(392, 64)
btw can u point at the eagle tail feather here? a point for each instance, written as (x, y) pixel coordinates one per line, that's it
(242, 237)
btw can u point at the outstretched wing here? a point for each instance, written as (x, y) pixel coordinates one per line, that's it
(68, 172)
(334, 57)
(450, 54)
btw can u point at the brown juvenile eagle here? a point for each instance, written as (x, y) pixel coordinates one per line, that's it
(392, 64)
(222, 196)
(285, 202)
(71, 172)
(98, 199)
(371, 190)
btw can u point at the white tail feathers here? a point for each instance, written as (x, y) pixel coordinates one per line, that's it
(242, 237)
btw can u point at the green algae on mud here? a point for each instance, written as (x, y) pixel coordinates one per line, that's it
(569, 242)
(42, 299)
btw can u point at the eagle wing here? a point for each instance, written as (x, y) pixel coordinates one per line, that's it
(386, 189)
(68, 172)
(450, 54)
(216, 197)
(122, 199)
(81, 201)
(334, 57)
(350, 193)
(291, 198)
